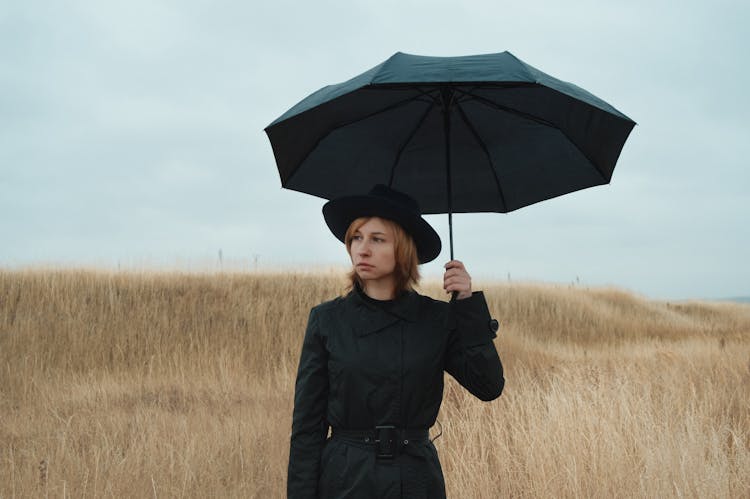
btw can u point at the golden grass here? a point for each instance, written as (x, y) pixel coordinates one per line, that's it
(180, 385)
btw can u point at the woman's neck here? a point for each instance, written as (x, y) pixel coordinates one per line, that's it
(379, 289)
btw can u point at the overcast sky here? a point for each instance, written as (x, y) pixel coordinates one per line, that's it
(131, 133)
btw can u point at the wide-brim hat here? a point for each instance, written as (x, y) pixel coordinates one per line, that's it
(384, 202)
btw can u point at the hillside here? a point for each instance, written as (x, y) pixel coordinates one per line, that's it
(141, 384)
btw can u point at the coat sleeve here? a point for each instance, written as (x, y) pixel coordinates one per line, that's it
(309, 425)
(471, 355)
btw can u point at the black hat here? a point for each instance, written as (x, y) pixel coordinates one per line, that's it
(384, 202)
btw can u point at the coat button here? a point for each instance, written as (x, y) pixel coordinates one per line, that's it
(494, 325)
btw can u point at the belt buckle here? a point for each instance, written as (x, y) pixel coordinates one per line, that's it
(386, 441)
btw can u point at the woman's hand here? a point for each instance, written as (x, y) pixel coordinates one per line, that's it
(457, 279)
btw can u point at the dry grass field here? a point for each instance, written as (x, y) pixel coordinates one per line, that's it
(180, 385)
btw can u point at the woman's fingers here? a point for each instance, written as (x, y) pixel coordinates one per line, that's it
(454, 264)
(456, 278)
(454, 268)
(454, 272)
(457, 275)
(458, 287)
(457, 283)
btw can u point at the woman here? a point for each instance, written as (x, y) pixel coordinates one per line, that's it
(372, 361)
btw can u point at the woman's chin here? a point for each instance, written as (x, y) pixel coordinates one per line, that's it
(365, 274)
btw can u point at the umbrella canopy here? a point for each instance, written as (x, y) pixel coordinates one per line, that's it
(482, 133)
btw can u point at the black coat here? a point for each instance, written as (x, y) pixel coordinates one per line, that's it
(362, 366)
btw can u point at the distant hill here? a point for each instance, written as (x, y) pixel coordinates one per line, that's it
(738, 299)
(730, 299)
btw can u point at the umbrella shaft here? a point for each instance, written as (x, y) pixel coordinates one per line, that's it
(447, 97)
(450, 231)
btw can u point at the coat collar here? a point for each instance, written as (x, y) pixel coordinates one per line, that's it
(367, 318)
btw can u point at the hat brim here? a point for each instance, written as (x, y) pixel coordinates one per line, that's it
(340, 213)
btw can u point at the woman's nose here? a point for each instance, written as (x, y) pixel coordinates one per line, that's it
(364, 248)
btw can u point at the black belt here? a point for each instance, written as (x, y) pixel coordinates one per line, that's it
(388, 440)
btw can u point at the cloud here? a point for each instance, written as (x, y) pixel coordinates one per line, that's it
(135, 131)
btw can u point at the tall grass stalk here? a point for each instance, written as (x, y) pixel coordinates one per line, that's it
(127, 384)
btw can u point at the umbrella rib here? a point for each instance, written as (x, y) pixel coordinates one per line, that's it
(424, 93)
(490, 103)
(406, 142)
(347, 123)
(495, 105)
(375, 113)
(486, 153)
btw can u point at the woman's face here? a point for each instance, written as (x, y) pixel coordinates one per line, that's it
(373, 251)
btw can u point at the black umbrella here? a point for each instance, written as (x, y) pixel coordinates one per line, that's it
(482, 133)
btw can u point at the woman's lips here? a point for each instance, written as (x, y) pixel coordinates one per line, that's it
(364, 265)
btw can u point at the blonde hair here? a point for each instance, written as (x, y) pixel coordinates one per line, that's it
(406, 272)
